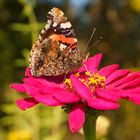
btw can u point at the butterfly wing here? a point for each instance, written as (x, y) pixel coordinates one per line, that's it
(56, 51)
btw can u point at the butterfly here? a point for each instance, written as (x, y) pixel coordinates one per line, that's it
(56, 51)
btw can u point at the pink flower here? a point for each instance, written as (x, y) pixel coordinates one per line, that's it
(84, 90)
(102, 89)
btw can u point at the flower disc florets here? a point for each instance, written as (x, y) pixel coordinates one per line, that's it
(91, 80)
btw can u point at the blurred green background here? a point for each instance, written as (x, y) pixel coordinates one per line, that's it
(118, 22)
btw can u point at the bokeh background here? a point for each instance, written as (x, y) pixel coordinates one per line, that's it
(118, 22)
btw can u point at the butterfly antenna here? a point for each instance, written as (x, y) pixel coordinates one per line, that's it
(93, 32)
(94, 43)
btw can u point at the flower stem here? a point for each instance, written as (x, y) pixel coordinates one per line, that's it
(90, 128)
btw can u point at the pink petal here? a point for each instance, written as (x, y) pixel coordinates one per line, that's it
(18, 87)
(80, 88)
(116, 75)
(47, 90)
(32, 90)
(48, 100)
(27, 72)
(134, 91)
(101, 104)
(32, 81)
(106, 71)
(26, 103)
(76, 118)
(40, 82)
(124, 80)
(64, 96)
(131, 84)
(91, 64)
(131, 92)
(132, 95)
(138, 73)
(134, 98)
(109, 94)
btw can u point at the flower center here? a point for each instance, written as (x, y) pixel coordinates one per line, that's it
(92, 81)
(95, 79)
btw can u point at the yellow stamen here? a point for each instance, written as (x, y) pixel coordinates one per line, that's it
(87, 73)
(96, 80)
(92, 81)
(102, 84)
(84, 82)
(68, 82)
(96, 76)
(77, 74)
(102, 78)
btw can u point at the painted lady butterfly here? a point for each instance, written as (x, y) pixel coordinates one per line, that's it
(56, 52)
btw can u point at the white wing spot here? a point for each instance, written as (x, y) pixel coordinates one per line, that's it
(40, 38)
(65, 25)
(75, 40)
(62, 46)
(42, 31)
(54, 24)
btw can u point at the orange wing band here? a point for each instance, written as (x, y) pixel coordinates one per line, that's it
(63, 39)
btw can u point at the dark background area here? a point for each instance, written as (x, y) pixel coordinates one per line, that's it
(118, 22)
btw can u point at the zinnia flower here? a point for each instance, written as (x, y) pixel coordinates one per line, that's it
(87, 89)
